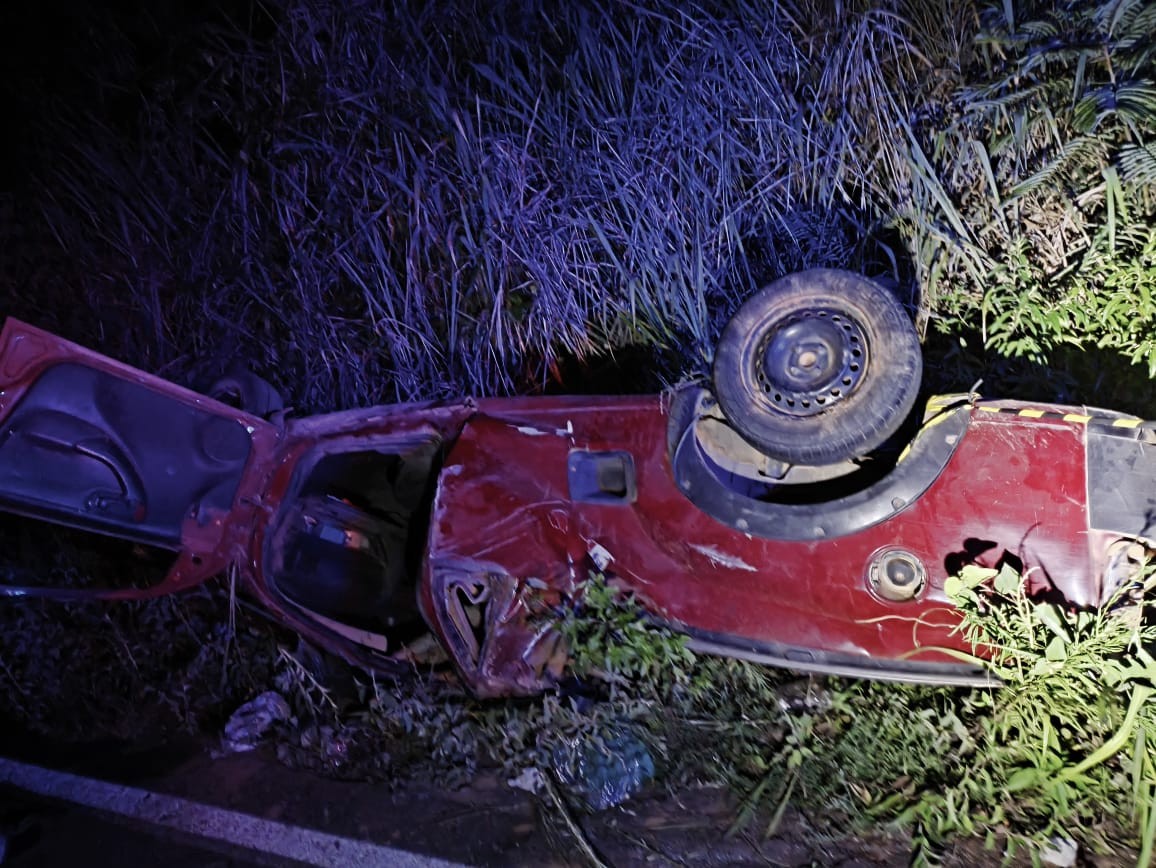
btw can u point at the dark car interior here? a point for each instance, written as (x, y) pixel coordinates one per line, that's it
(349, 540)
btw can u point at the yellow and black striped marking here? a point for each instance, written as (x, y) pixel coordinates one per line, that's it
(1106, 423)
(1119, 424)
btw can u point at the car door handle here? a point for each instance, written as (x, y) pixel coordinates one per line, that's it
(602, 477)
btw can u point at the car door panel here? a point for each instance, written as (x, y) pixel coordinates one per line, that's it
(99, 446)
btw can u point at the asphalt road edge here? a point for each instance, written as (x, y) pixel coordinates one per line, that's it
(309, 846)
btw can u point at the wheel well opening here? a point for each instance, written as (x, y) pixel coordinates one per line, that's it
(737, 484)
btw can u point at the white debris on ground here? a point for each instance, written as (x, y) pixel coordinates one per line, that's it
(529, 779)
(1060, 852)
(252, 720)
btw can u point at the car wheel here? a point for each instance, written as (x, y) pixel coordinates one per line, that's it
(818, 367)
(246, 391)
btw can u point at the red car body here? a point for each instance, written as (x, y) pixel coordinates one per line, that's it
(489, 515)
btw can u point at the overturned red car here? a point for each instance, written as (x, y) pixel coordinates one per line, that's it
(780, 515)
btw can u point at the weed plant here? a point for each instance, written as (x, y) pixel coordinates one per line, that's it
(1033, 196)
(1063, 749)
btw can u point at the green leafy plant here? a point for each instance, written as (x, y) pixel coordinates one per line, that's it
(1105, 301)
(1071, 721)
(1032, 197)
(613, 642)
(1063, 749)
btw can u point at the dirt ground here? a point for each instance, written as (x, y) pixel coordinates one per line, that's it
(484, 823)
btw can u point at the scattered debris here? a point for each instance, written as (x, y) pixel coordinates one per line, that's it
(1060, 852)
(577, 834)
(252, 720)
(600, 555)
(803, 696)
(351, 751)
(530, 779)
(605, 772)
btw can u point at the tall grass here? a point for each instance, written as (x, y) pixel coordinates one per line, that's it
(372, 204)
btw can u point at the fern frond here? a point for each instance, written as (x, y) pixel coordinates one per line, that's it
(1081, 150)
(1138, 163)
(1125, 19)
(1136, 102)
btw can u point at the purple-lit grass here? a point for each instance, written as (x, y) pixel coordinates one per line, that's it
(377, 205)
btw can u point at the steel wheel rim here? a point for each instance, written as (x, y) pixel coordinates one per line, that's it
(810, 361)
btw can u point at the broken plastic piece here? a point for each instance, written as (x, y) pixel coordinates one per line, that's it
(605, 772)
(252, 720)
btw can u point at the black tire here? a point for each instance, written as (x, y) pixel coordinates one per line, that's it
(818, 367)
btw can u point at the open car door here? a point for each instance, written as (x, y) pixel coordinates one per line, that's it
(94, 444)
